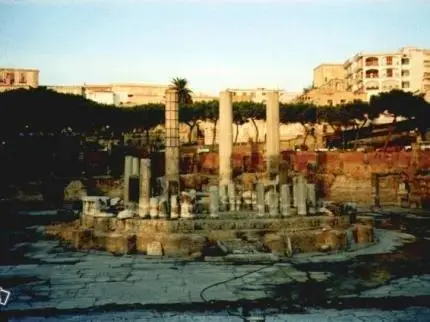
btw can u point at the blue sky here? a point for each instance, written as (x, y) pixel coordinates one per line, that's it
(214, 44)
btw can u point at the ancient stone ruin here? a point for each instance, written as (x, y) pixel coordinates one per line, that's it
(280, 215)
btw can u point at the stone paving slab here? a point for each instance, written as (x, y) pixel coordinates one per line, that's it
(414, 314)
(73, 280)
(407, 287)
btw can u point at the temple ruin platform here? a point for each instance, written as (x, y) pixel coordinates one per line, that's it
(229, 233)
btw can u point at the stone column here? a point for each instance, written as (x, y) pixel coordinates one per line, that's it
(144, 187)
(225, 137)
(153, 204)
(260, 199)
(174, 207)
(172, 140)
(127, 173)
(133, 182)
(186, 207)
(285, 200)
(272, 126)
(162, 208)
(135, 167)
(223, 195)
(232, 196)
(301, 196)
(273, 202)
(312, 198)
(295, 191)
(213, 201)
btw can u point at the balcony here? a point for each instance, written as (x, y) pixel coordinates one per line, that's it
(405, 61)
(371, 61)
(372, 73)
(372, 88)
(372, 85)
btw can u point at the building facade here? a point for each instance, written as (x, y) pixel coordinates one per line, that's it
(201, 97)
(372, 73)
(125, 95)
(326, 72)
(332, 93)
(14, 78)
(258, 95)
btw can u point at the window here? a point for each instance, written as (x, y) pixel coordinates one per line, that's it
(389, 72)
(405, 73)
(405, 85)
(330, 102)
(372, 73)
(371, 61)
(22, 78)
(10, 78)
(389, 60)
(405, 61)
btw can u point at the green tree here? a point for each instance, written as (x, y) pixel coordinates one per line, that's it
(211, 114)
(399, 103)
(306, 115)
(190, 114)
(181, 85)
(252, 111)
(239, 118)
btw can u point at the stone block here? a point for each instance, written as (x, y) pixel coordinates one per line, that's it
(115, 242)
(104, 224)
(154, 249)
(82, 238)
(87, 221)
(184, 244)
(276, 243)
(331, 240)
(365, 234)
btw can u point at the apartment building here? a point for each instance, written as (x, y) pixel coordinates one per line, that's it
(258, 95)
(201, 97)
(371, 73)
(332, 93)
(326, 72)
(14, 78)
(125, 95)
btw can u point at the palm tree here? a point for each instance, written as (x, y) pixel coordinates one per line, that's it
(181, 85)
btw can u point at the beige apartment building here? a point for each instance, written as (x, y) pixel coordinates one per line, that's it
(201, 97)
(258, 95)
(332, 93)
(326, 72)
(14, 78)
(371, 73)
(126, 95)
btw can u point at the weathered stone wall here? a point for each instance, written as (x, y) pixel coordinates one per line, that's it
(342, 176)
(193, 237)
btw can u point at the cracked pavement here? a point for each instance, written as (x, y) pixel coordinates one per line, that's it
(61, 284)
